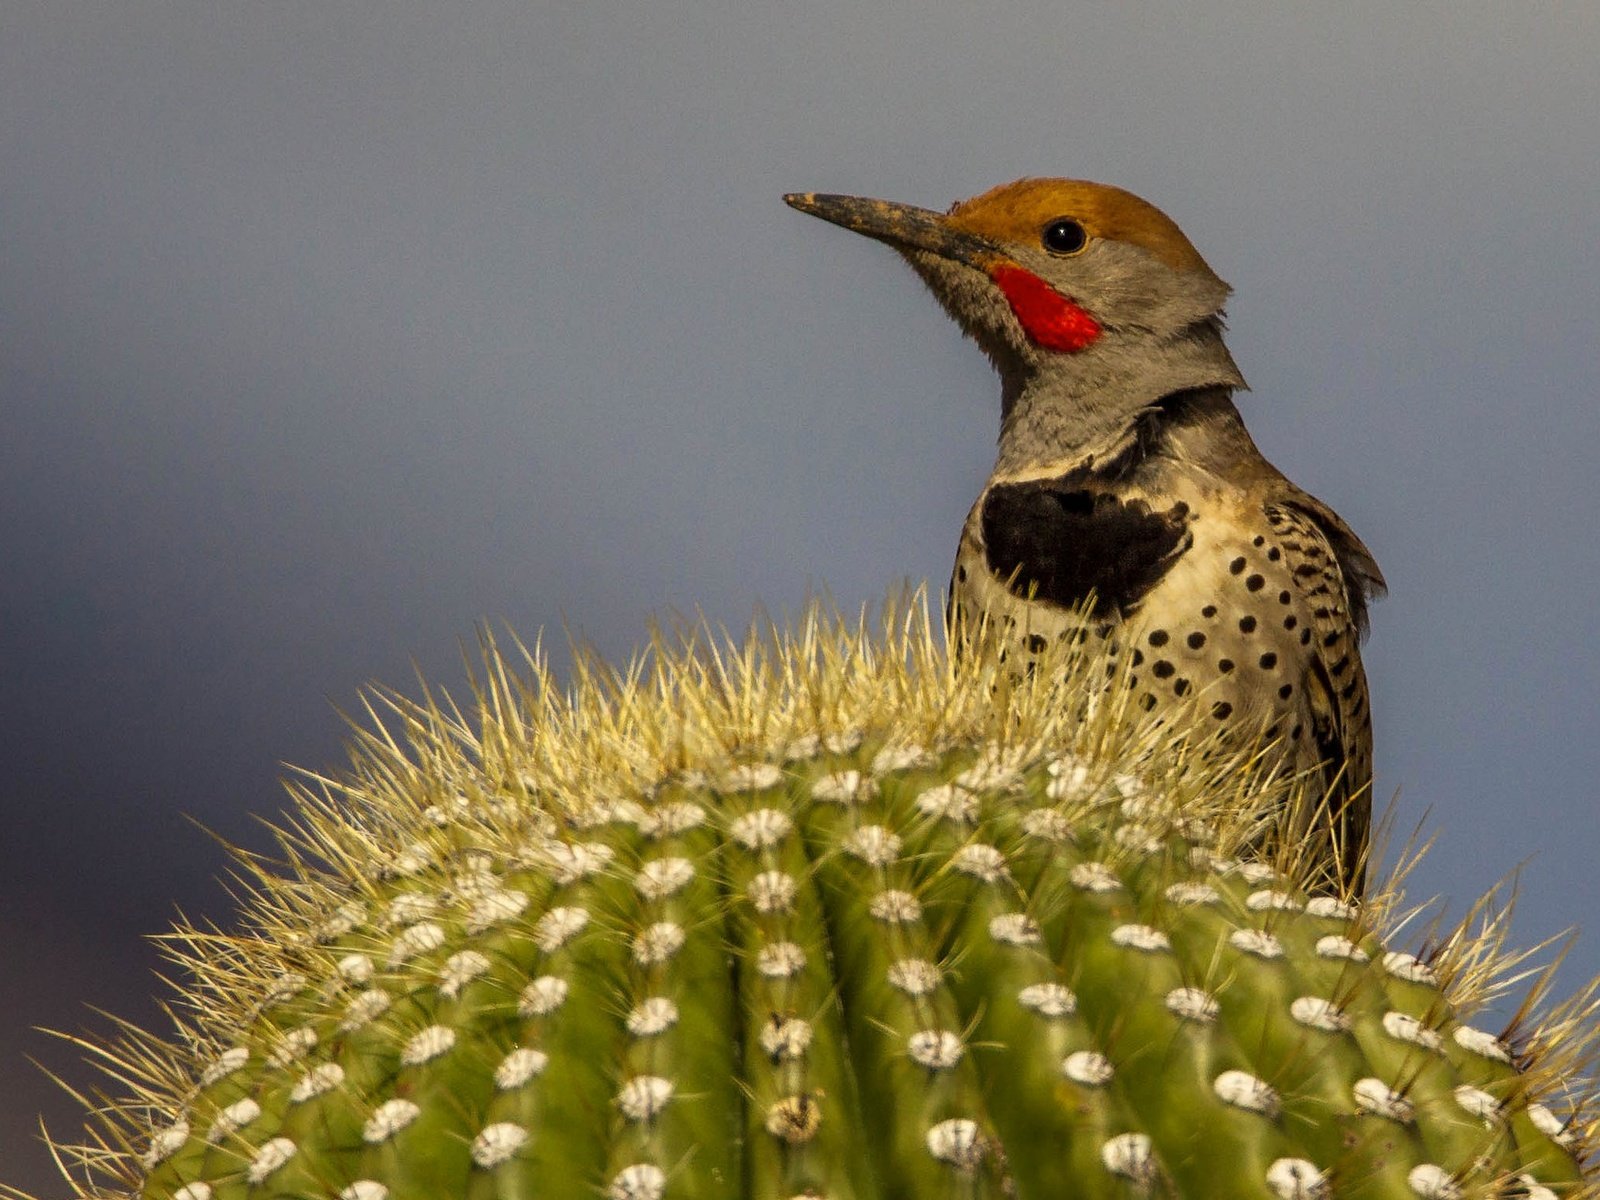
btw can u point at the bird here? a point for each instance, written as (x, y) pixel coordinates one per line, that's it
(1127, 487)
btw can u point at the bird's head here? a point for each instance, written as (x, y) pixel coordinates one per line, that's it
(1055, 276)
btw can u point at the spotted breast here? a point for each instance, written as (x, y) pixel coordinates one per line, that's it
(1246, 601)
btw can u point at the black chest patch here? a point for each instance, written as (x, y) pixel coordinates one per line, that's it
(1058, 540)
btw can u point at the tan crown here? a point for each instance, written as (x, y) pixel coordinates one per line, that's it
(1016, 212)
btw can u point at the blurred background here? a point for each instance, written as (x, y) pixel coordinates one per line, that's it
(328, 331)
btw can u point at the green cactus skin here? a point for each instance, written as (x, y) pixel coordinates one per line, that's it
(820, 916)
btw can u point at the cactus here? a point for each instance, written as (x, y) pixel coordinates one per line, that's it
(823, 914)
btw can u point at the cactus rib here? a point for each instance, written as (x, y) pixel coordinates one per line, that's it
(824, 913)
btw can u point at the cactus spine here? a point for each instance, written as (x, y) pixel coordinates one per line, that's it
(822, 914)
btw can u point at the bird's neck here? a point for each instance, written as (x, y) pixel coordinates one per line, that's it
(1090, 406)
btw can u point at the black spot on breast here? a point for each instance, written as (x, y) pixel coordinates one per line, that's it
(1163, 669)
(1196, 640)
(1061, 540)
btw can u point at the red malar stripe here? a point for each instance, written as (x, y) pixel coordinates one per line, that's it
(1049, 318)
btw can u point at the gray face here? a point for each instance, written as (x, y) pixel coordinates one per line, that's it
(1125, 288)
(1139, 301)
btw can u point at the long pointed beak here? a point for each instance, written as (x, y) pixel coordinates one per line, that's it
(903, 226)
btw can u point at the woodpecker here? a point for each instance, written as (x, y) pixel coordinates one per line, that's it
(1127, 486)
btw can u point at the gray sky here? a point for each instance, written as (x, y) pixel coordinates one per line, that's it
(329, 330)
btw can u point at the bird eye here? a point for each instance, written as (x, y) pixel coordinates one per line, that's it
(1064, 236)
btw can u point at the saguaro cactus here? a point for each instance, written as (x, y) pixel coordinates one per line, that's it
(822, 914)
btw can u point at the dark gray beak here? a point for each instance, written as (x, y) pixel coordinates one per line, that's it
(903, 226)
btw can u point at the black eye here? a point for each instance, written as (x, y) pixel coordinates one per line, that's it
(1064, 236)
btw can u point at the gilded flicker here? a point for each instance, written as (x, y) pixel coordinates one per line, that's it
(1126, 480)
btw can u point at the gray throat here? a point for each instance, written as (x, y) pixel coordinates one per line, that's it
(1066, 411)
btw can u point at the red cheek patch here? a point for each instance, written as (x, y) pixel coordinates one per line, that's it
(1048, 317)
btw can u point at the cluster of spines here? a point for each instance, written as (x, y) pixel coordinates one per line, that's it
(528, 985)
(925, 950)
